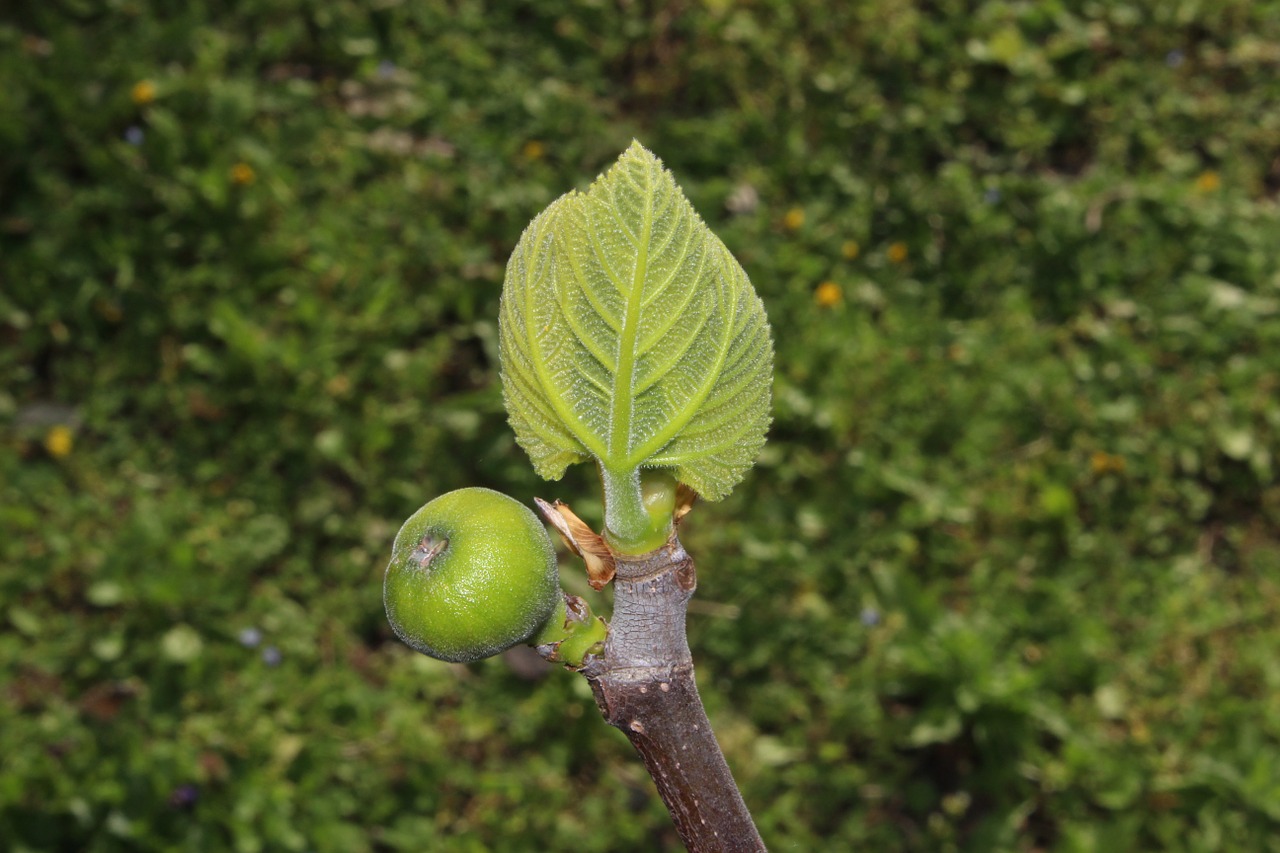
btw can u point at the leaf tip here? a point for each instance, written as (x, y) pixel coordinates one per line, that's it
(636, 151)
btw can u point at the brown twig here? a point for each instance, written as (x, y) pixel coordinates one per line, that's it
(644, 686)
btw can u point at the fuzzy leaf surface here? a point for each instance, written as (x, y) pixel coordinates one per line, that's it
(631, 335)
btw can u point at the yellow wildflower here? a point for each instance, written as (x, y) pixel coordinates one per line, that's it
(794, 219)
(143, 92)
(339, 385)
(828, 294)
(58, 441)
(1102, 462)
(534, 150)
(242, 174)
(850, 249)
(1208, 181)
(1139, 732)
(897, 252)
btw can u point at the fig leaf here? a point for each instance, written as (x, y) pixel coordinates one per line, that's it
(630, 335)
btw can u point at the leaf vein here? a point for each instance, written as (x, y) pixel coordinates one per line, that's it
(565, 411)
(676, 424)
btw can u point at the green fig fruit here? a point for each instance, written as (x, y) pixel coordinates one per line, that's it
(472, 573)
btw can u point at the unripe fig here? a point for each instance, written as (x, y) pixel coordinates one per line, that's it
(472, 573)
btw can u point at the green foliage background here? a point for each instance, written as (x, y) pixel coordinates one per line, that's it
(1006, 577)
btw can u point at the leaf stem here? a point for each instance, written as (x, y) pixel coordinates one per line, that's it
(638, 507)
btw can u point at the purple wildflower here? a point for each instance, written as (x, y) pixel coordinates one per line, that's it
(184, 796)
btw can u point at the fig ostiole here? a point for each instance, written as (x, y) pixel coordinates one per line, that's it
(472, 573)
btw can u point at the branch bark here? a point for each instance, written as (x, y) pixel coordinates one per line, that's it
(644, 685)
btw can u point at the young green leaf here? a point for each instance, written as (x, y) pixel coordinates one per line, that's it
(629, 334)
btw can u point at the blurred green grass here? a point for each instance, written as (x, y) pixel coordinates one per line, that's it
(1006, 577)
